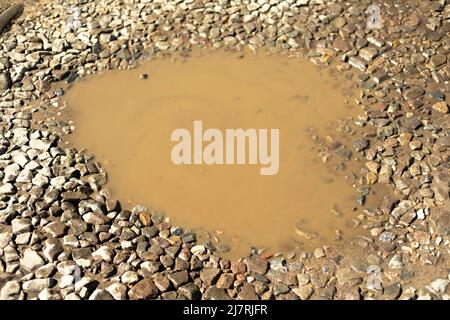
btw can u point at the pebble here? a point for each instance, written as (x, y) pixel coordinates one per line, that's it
(440, 106)
(144, 289)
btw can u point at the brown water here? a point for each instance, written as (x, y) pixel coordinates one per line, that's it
(127, 122)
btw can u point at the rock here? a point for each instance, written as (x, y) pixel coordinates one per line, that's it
(198, 250)
(440, 106)
(392, 291)
(95, 218)
(11, 172)
(20, 225)
(414, 93)
(280, 288)
(304, 292)
(303, 279)
(396, 262)
(387, 236)
(145, 218)
(99, 294)
(368, 53)
(37, 285)
(104, 253)
(161, 282)
(10, 290)
(49, 294)
(55, 228)
(162, 45)
(437, 60)
(256, 264)
(39, 144)
(248, 293)
(229, 41)
(5, 238)
(357, 63)
(129, 277)
(85, 286)
(213, 293)
(52, 249)
(373, 259)
(190, 291)
(209, 276)
(118, 291)
(439, 285)
(5, 81)
(225, 281)
(82, 257)
(144, 289)
(319, 253)
(178, 278)
(347, 276)
(7, 188)
(31, 260)
(361, 144)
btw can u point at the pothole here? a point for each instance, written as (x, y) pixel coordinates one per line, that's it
(127, 119)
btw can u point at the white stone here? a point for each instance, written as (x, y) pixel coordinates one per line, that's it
(31, 260)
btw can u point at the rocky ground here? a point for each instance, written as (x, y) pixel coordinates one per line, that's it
(62, 236)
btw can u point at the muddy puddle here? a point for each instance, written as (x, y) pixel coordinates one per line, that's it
(147, 124)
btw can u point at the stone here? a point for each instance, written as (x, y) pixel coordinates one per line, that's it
(129, 277)
(144, 289)
(178, 278)
(368, 53)
(213, 293)
(256, 264)
(387, 236)
(10, 290)
(118, 291)
(49, 294)
(95, 218)
(247, 292)
(198, 250)
(437, 60)
(357, 63)
(280, 288)
(361, 144)
(99, 294)
(11, 172)
(7, 188)
(396, 262)
(225, 281)
(439, 285)
(161, 282)
(31, 260)
(304, 292)
(209, 276)
(39, 144)
(55, 228)
(440, 106)
(414, 93)
(5, 81)
(104, 253)
(20, 225)
(37, 285)
(347, 276)
(392, 291)
(52, 248)
(190, 291)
